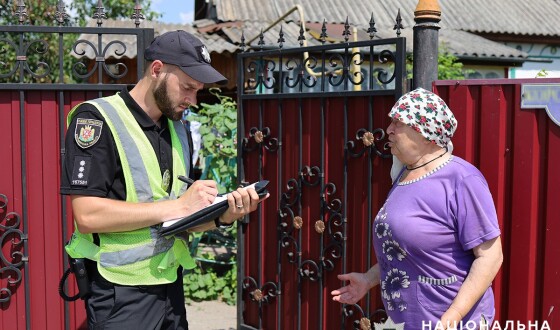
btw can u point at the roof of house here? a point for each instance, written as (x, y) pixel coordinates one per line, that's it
(531, 18)
(460, 22)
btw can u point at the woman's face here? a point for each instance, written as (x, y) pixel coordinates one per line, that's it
(405, 142)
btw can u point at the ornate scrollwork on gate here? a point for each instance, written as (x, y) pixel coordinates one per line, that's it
(360, 319)
(260, 138)
(320, 69)
(367, 140)
(298, 72)
(288, 222)
(258, 71)
(335, 222)
(263, 294)
(331, 228)
(357, 78)
(31, 50)
(310, 175)
(100, 56)
(310, 270)
(386, 56)
(11, 238)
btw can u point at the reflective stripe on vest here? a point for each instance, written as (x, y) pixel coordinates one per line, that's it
(119, 263)
(131, 153)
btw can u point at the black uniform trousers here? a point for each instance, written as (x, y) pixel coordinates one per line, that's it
(120, 307)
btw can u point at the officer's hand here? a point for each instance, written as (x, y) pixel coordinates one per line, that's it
(241, 202)
(201, 194)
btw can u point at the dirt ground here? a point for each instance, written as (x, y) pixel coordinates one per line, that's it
(211, 315)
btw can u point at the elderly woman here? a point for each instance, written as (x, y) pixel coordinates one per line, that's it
(436, 238)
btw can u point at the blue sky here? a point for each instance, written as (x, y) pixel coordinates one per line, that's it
(174, 11)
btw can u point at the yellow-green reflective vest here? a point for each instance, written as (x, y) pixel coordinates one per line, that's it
(138, 257)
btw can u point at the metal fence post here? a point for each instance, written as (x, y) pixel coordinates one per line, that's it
(425, 39)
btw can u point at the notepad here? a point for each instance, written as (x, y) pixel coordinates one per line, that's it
(207, 214)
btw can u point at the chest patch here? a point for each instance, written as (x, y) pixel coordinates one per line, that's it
(88, 132)
(80, 171)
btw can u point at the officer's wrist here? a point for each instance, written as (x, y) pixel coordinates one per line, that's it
(220, 224)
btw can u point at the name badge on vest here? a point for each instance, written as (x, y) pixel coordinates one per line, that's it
(166, 179)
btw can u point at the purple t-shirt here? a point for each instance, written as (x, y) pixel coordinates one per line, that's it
(423, 239)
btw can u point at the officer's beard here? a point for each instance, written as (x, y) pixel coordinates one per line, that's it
(163, 101)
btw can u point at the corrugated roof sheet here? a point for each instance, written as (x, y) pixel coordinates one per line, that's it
(534, 18)
(465, 44)
(226, 36)
(518, 17)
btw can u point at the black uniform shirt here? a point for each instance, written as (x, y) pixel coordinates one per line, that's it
(94, 168)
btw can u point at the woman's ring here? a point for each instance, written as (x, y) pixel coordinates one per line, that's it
(239, 206)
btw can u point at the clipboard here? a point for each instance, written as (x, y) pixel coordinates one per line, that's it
(207, 214)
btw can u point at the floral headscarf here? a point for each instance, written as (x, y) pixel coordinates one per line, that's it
(426, 113)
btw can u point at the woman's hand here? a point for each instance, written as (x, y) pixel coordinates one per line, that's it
(360, 284)
(451, 319)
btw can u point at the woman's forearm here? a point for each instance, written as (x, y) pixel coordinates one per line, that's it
(373, 275)
(488, 259)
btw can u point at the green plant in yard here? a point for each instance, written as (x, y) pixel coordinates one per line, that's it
(206, 284)
(218, 160)
(449, 67)
(218, 153)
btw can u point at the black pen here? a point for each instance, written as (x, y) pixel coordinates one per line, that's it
(185, 179)
(190, 181)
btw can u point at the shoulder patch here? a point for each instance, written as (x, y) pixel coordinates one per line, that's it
(87, 132)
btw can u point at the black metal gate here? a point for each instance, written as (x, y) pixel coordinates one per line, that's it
(311, 121)
(44, 72)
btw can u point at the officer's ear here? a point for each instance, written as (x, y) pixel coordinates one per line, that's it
(156, 68)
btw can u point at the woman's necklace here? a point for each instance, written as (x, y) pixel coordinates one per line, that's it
(426, 163)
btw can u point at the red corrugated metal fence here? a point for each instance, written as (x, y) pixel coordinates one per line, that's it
(518, 150)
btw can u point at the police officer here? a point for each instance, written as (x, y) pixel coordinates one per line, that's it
(123, 156)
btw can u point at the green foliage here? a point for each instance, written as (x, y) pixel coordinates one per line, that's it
(542, 74)
(449, 67)
(218, 159)
(206, 284)
(218, 154)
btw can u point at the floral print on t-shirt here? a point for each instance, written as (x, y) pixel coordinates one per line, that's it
(396, 279)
